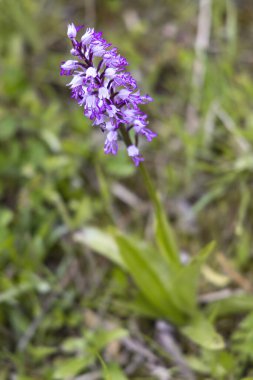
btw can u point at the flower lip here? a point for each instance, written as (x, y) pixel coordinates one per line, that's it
(91, 101)
(103, 93)
(76, 81)
(109, 126)
(134, 153)
(91, 72)
(111, 145)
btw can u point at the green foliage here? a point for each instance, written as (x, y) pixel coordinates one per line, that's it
(86, 349)
(201, 331)
(152, 276)
(62, 308)
(165, 291)
(243, 339)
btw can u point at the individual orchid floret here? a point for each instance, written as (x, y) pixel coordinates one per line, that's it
(87, 36)
(71, 31)
(69, 65)
(134, 153)
(141, 129)
(91, 72)
(104, 89)
(111, 145)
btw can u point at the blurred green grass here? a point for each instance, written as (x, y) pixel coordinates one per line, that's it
(55, 178)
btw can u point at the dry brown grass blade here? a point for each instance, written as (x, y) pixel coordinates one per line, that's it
(235, 276)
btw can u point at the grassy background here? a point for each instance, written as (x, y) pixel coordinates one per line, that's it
(60, 304)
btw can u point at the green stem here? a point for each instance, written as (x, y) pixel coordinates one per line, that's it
(125, 136)
(149, 186)
(164, 232)
(146, 177)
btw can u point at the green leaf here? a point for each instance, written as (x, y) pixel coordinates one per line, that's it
(141, 306)
(151, 275)
(184, 288)
(113, 372)
(41, 352)
(73, 344)
(202, 332)
(102, 338)
(14, 292)
(236, 304)
(198, 364)
(71, 367)
(101, 242)
(185, 282)
(242, 338)
(208, 198)
(8, 128)
(6, 216)
(165, 238)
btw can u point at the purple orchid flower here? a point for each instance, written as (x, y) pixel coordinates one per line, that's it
(106, 91)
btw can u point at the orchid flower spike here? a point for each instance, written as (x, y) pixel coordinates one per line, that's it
(106, 91)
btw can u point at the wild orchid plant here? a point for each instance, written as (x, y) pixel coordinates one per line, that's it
(110, 98)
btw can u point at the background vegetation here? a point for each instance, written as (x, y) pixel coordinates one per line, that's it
(65, 311)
